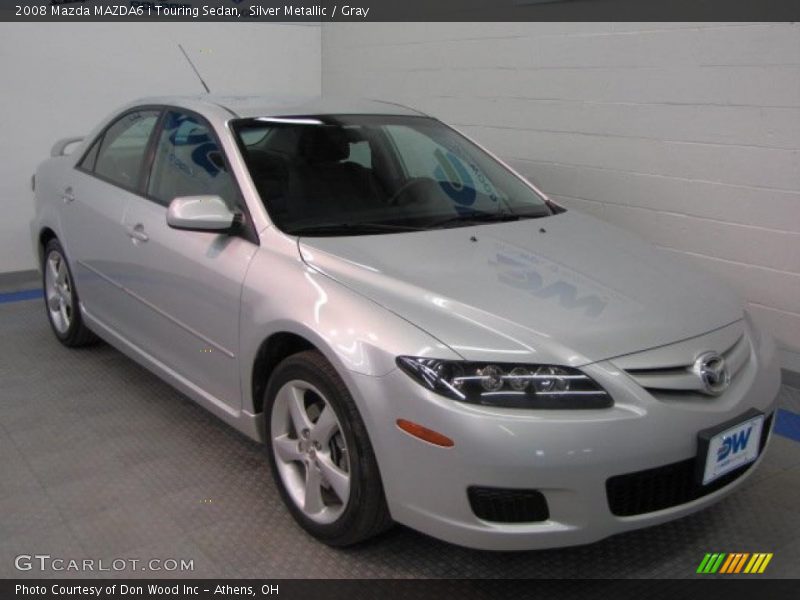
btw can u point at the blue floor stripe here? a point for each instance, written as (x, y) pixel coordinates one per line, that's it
(20, 296)
(787, 424)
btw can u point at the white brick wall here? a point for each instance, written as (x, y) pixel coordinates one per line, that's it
(685, 133)
(60, 79)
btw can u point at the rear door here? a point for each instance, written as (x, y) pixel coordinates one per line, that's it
(188, 283)
(94, 198)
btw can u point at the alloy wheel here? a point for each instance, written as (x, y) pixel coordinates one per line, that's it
(310, 451)
(58, 290)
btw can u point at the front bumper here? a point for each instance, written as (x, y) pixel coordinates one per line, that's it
(566, 455)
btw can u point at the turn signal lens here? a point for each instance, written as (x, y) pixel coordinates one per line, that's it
(425, 434)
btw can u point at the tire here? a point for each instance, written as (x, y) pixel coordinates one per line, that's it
(330, 450)
(61, 299)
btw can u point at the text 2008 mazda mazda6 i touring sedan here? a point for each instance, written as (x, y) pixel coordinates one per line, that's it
(417, 333)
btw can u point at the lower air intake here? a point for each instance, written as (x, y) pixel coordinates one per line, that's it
(670, 485)
(508, 505)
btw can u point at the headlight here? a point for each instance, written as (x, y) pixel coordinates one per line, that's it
(507, 385)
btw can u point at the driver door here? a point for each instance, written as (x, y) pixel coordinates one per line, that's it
(188, 283)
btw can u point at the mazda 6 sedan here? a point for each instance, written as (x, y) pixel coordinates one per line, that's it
(415, 332)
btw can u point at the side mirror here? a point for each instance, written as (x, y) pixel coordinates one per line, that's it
(200, 213)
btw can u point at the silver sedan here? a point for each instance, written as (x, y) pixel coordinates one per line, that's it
(417, 333)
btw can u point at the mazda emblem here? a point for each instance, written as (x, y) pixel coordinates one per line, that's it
(710, 367)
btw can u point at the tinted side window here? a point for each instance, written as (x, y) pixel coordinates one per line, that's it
(189, 162)
(122, 150)
(88, 161)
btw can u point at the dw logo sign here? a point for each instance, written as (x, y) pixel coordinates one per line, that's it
(733, 444)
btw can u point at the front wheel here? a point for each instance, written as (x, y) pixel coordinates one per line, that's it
(320, 454)
(61, 299)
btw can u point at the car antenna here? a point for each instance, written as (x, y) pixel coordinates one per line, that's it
(196, 72)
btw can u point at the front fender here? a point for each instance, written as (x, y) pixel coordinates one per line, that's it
(356, 335)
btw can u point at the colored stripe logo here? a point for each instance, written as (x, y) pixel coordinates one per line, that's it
(734, 563)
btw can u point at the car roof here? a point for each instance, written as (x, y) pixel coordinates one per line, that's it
(267, 106)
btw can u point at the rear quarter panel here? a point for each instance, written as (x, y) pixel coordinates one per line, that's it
(50, 177)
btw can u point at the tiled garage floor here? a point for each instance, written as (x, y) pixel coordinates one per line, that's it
(100, 459)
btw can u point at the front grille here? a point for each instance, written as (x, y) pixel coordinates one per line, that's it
(673, 381)
(663, 487)
(667, 372)
(508, 505)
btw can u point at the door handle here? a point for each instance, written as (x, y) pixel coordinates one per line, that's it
(137, 233)
(68, 196)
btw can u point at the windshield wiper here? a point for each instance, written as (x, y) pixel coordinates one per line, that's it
(493, 217)
(351, 228)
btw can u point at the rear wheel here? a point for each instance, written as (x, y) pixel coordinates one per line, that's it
(320, 454)
(61, 299)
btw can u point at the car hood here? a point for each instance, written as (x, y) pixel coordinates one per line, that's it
(566, 289)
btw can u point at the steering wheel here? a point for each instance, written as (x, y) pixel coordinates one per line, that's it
(396, 199)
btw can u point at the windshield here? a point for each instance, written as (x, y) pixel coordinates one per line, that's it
(367, 174)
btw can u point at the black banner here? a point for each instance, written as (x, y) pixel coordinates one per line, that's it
(399, 10)
(710, 588)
